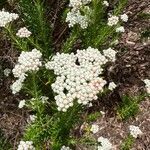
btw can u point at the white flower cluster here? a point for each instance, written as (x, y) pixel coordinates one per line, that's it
(65, 148)
(28, 145)
(110, 54)
(32, 118)
(85, 2)
(104, 144)
(74, 16)
(27, 61)
(95, 128)
(120, 29)
(78, 77)
(112, 86)
(23, 33)
(17, 85)
(44, 99)
(135, 131)
(113, 20)
(22, 103)
(105, 3)
(77, 4)
(124, 17)
(7, 71)
(6, 17)
(147, 82)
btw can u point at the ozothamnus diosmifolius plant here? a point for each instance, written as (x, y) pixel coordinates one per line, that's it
(61, 85)
(93, 24)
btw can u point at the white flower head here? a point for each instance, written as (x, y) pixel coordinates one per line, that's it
(102, 112)
(147, 85)
(115, 42)
(90, 105)
(32, 118)
(44, 99)
(104, 144)
(27, 61)
(21, 103)
(85, 2)
(110, 54)
(7, 71)
(6, 17)
(112, 86)
(17, 85)
(105, 3)
(124, 17)
(26, 145)
(65, 148)
(30, 60)
(120, 29)
(135, 131)
(147, 82)
(75, 4)
(75, 17)
(23, 33)
(95, 128)
(113, 20)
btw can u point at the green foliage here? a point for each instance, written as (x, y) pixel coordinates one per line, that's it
(93, 116)
(98, 33)
(2, 3)
(54, 130)
(129, 107)
(97, 30)
(39, 132)
(88, 141)
(4, 143)
(127, 143)
(62, 126)
(17, 42)
(120, 6)
(34, 16)
(68, 44)
(145, 33)
(144, 15)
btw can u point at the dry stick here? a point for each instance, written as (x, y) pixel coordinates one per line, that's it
(55, 15)
(60, 35)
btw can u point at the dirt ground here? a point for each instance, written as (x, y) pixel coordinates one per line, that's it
(131, 67)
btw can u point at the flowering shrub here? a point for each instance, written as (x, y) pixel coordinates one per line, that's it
(70, 80)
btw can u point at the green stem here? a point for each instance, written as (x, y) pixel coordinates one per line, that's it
(14, 38)
(103, 36)
(39, 8)
(35, 91)
(70, 41)
(34, 44)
